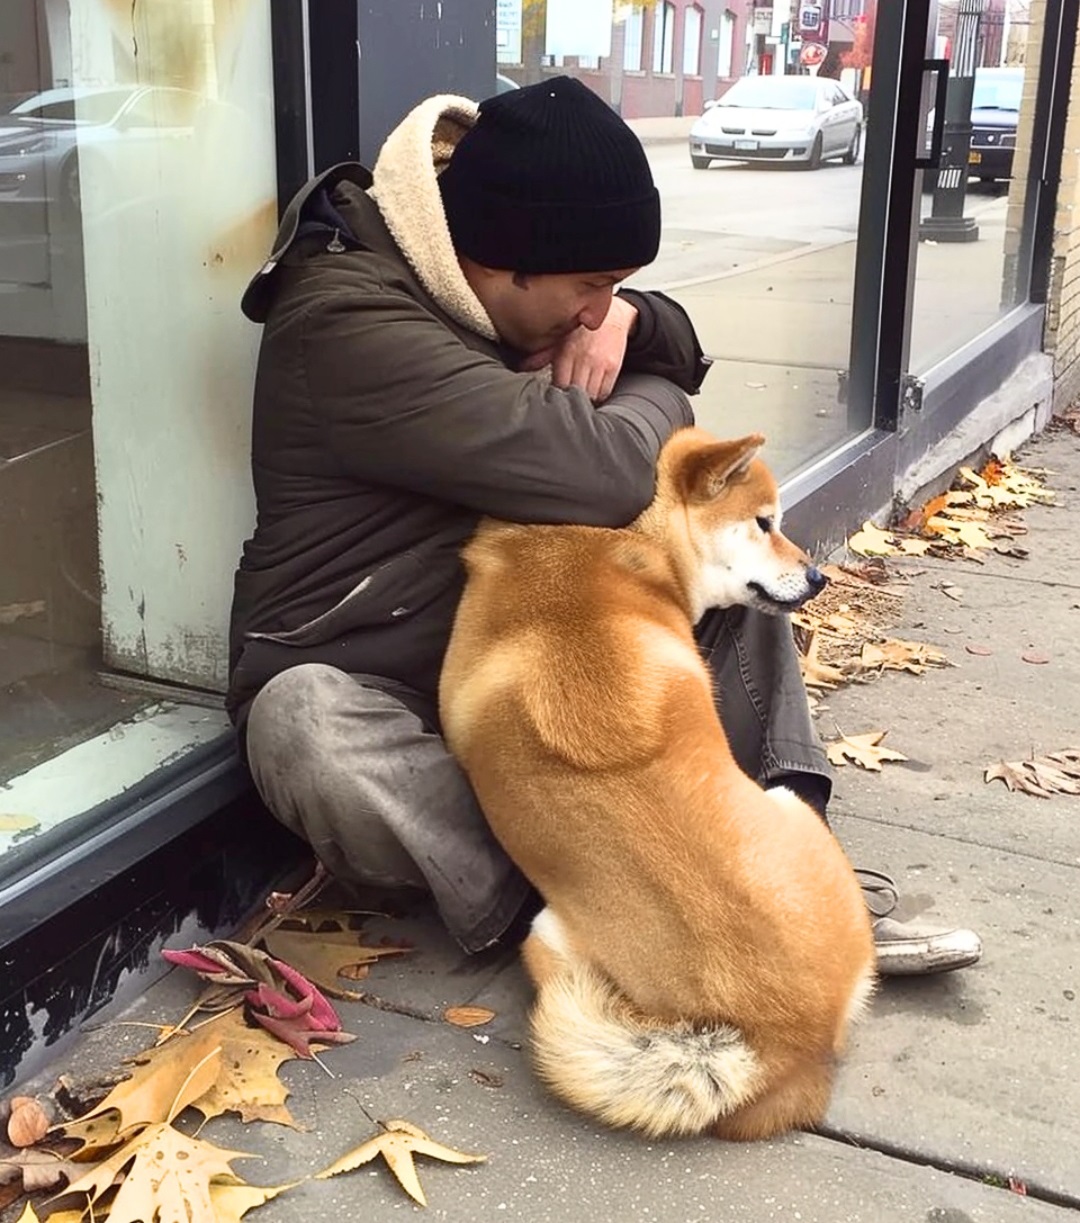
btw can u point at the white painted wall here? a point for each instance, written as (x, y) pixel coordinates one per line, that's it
(175, 221)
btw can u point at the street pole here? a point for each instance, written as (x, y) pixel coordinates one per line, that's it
(946, 222)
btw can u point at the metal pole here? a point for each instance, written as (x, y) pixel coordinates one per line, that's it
(946, 222)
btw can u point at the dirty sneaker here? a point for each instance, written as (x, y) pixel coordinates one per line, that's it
(913, 947)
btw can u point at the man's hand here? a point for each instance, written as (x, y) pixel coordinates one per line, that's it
(588, 359)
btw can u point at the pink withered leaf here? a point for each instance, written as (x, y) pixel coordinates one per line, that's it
(212, 963)
(301, 1017)
(276, 1004)
(298, 1037)
(322, 1011)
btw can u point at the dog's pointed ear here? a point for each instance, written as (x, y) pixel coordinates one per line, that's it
(709, 469)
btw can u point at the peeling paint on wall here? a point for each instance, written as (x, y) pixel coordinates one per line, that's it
(173, 229)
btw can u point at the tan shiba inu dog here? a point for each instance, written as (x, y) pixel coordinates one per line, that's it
(705, 943)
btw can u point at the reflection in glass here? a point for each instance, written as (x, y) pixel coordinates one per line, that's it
(137, 196)
(761, 255)
(973, 214)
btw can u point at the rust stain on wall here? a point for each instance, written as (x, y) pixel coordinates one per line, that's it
(172, 42)
(245, 244)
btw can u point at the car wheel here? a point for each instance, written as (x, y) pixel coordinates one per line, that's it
(813, 162)
(699, 163)
(852, 154)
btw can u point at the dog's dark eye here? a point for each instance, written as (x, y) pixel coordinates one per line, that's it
(765, 524)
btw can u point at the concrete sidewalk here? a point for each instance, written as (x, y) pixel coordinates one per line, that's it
(954, 1085)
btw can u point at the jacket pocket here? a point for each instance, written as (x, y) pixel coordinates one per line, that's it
(392, 592)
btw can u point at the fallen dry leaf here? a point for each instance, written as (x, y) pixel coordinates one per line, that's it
(232, 1202)
(959, 531)
(956, 593)
(468, 1016)
(982, 650)
(1041, 776)
(964, 513)
(28, 1123)
(37, 1170)
(872, 570)
(1069, 419)
(397, 1144)
(863, 750)
(247, 1082)
(892, 654)
(167, 1177)
(1035, 658)
(871, 540)
(161, 1076)
(815, 673)
(320, 955)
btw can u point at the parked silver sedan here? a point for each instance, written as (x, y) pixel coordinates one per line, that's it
(801, 119)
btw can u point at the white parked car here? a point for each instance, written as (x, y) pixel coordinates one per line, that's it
(801, 119)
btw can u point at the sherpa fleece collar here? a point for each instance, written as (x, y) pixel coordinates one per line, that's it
(406, 190)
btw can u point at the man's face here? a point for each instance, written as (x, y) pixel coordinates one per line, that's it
(533, 313)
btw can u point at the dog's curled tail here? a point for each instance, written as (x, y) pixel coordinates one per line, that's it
(598, 1057)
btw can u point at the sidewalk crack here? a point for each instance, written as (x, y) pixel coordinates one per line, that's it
(991, 1177)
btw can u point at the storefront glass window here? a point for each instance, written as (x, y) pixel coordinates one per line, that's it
(761, 196)
(137, 194)
(972, 217)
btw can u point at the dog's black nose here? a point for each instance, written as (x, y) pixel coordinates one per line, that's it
(816, 579)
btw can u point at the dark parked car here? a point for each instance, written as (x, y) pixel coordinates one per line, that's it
(995, 110)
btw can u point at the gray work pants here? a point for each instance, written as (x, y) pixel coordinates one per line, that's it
(356, 766)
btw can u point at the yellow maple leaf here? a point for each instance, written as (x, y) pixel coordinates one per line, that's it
(322, 954)
(957, 531)
(863, 750)
(163, 1077)
(1006, 474)
(871, 540)
(397, 1144)
(911, 546)
(167, 1177)
(232, 1202)
(247, 1081)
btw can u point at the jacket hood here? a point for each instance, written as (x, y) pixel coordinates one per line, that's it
(406, 190)
(257, 297)
(404, 187)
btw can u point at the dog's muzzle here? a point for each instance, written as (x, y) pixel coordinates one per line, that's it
(813, 583)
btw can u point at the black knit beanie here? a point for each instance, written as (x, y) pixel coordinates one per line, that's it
(550, 179)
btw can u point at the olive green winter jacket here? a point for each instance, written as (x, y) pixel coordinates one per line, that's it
(386, 423)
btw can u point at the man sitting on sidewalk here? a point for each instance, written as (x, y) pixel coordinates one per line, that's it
(402, 393)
